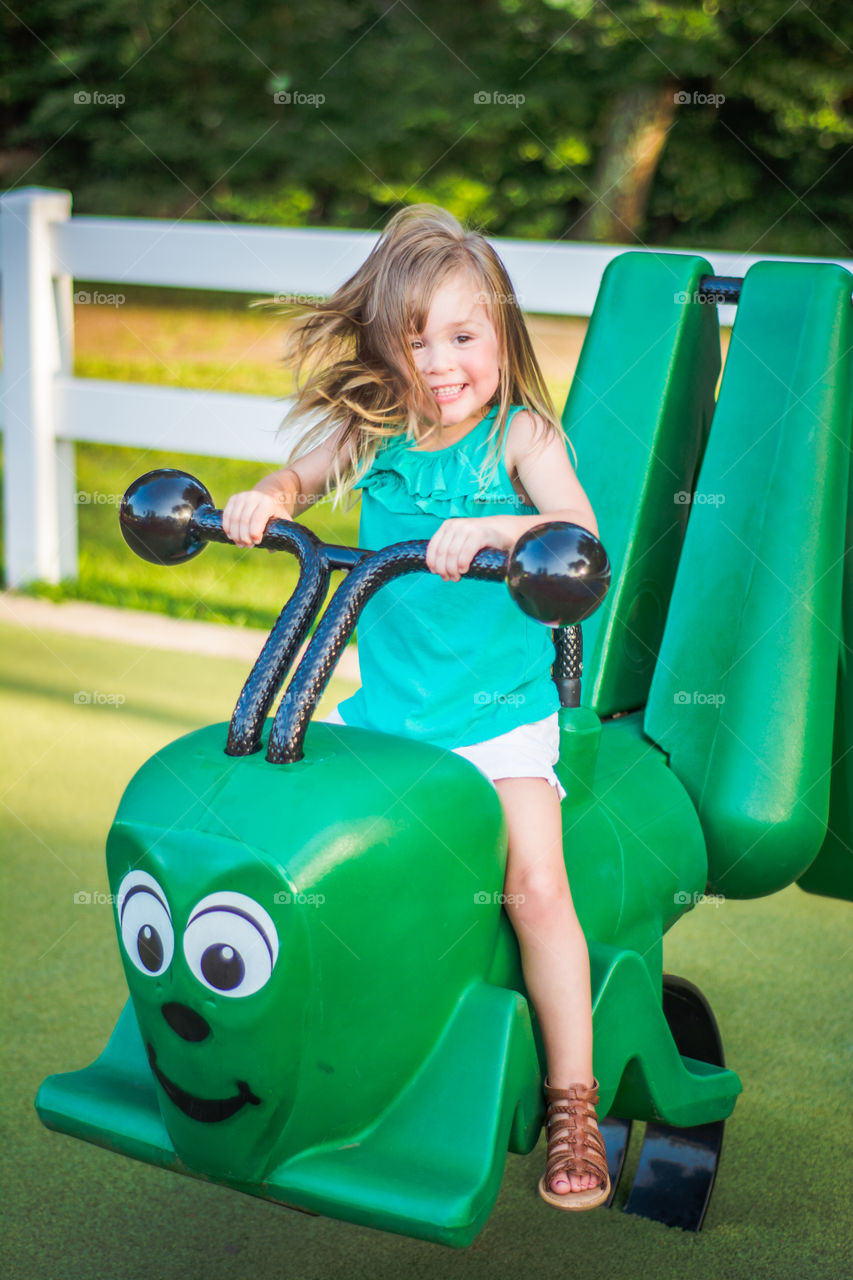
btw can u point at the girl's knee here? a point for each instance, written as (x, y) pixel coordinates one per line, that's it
(535, 891)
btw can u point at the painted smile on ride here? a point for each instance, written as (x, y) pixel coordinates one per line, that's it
(203, 959)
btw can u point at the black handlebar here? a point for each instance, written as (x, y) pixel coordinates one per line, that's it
(557, 573)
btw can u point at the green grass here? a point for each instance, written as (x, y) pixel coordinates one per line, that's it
(202, 375)
(190, 339)
(776, 971)
(228, 584)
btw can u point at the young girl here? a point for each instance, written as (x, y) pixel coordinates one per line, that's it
(425, 393)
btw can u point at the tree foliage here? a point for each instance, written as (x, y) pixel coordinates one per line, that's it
(517, 114)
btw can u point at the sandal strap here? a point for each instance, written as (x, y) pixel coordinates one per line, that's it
(574, 1140)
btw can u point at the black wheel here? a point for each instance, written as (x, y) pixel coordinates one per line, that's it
(677, 1168)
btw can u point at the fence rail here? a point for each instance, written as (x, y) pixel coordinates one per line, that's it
(46, 410)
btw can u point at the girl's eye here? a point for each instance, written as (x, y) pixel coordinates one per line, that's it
(463, 337)
(416, 344)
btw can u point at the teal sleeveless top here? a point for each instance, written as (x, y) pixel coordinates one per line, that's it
(451, 663)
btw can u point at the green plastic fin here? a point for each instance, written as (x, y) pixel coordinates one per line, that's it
(641, 1072)
(638, 414)
(831, 873)
(112, 1103)
(744, 694)
(432, 1166)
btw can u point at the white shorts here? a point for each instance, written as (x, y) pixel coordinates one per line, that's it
(530, 751)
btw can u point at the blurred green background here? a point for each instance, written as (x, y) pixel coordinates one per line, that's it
(671, 122)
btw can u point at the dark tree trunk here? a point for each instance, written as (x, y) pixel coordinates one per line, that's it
(636, 125)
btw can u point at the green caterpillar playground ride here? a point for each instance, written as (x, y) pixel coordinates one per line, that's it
(327, 1008)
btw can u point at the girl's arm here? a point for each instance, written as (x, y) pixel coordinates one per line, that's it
(284, 494)
(544, 469)
(540, 460)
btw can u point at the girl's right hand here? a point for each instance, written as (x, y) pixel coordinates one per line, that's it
(246, 516)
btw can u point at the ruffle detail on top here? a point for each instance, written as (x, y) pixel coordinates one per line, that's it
(444, 483)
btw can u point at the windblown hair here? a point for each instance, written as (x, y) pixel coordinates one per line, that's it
(352, 354)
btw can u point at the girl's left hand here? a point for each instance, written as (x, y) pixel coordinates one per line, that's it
(455, 543)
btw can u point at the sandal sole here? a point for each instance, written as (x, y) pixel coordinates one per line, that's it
(589, 1199)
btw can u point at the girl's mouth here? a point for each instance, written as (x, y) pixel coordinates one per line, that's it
(449, 392)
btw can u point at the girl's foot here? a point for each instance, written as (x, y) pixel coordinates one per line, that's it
(576, 1175)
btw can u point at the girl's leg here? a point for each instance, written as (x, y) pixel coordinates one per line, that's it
(554, 955)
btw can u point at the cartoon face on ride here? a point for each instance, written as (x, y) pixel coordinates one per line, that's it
(214, 979)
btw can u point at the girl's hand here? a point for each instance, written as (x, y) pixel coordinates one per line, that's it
(453, 546)
(246, 516)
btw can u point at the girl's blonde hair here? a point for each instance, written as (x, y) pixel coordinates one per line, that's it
(352, 356)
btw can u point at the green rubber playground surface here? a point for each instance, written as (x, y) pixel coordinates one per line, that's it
(80, 716)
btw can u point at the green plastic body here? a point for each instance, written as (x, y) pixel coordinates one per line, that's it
(392, 1058)
(638, 414)
(749, 690)
(395, 1019)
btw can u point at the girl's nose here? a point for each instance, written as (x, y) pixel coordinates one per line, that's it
(439, 359)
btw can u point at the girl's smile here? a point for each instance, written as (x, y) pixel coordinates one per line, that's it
(458, 354)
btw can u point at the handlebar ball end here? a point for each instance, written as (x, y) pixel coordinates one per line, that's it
(156, 515)
(558, 573)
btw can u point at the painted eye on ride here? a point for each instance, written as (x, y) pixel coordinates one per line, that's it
(145, 923)
(231, 944)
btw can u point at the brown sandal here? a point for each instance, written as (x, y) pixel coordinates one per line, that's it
(575, 1145)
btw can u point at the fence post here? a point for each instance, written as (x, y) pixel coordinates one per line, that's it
(39, 472)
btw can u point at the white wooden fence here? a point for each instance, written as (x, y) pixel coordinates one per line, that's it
(46, 409)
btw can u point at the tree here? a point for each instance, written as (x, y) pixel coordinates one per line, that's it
(658, 121)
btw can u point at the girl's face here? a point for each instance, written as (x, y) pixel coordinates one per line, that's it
(458, 353)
